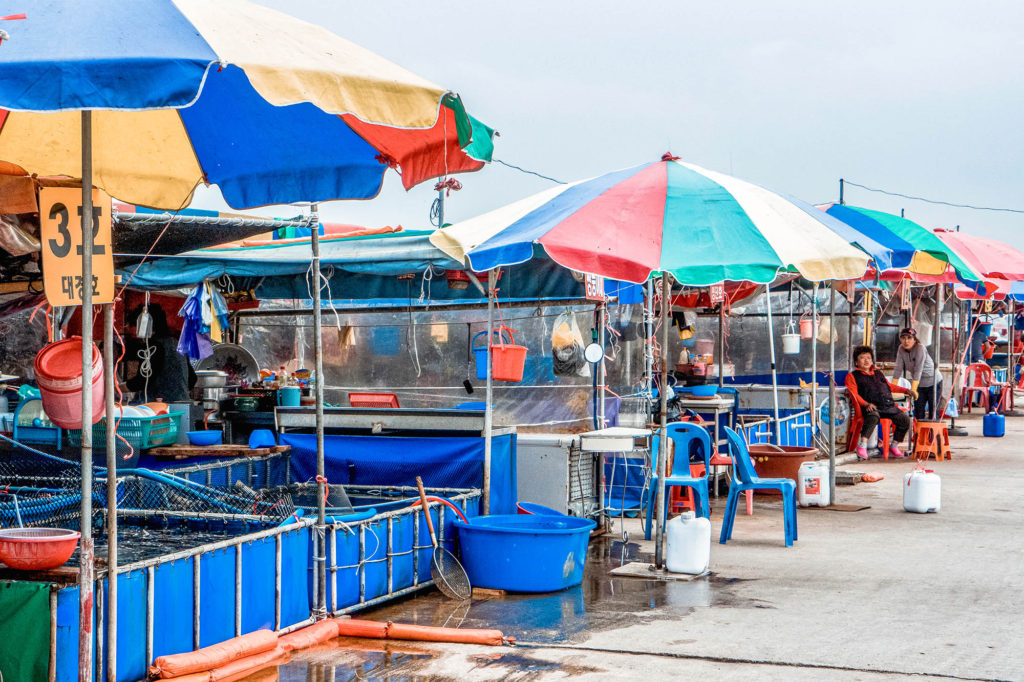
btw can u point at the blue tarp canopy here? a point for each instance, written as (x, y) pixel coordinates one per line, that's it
(357, 268)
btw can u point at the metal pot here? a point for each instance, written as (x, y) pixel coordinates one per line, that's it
(211, 378)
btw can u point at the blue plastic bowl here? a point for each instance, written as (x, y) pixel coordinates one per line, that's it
(705, 391)
(202, 438)
(539, 509)
(525, 552)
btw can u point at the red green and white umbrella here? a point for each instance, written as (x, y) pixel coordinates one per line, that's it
(701, 226)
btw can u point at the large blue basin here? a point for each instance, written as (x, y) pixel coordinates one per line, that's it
(524, 552)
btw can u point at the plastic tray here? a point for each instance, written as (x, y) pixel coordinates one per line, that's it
(140, 432)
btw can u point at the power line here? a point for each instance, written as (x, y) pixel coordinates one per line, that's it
(935, 201)
(523, 170)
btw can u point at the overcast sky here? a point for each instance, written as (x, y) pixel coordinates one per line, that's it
(922, 98)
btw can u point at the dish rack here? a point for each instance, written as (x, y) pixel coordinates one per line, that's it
(140, 432)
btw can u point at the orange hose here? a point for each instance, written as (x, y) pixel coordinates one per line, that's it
(308, 636)
(239, 668)
(217, 655)
(351, 627)
(428, 633)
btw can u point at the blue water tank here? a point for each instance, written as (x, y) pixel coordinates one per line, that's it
(993, 425)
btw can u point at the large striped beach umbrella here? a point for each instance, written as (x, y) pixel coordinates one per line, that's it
(700, 226)
(271, 109)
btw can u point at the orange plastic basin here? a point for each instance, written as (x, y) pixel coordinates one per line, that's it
(37, 549)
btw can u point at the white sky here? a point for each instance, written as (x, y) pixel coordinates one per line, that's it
(919, 97)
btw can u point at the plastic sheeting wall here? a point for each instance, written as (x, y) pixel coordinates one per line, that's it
(425, 357)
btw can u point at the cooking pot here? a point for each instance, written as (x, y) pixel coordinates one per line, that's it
(211, 378)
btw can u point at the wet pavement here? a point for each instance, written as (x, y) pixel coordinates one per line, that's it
(875, 594)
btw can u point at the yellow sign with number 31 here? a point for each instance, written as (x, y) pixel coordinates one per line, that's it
(60, 218)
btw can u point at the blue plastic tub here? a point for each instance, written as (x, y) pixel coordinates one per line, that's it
(525, 552)
(702, 391)
(539, 509)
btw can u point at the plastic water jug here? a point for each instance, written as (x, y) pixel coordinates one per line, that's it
(993, 425)
(688, 544)
(812, 489)
(922, 491)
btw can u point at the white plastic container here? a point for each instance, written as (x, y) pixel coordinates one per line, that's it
(922, 491)
(812, 489)
(688, 544)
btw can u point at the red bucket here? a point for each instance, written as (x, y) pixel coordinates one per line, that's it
(507, 360)
(58, 369)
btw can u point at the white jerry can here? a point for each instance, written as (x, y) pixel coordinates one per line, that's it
(812, 489)
(688, 544)
(922, 491)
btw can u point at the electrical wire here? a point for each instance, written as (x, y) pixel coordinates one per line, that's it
(528, 172)
(933, 201)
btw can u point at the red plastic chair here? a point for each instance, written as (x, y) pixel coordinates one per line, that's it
(857, 424)
(977, 380)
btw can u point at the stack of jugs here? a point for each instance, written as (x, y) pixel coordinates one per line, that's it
(58, 368)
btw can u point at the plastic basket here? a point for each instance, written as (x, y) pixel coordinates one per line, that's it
(140, 432)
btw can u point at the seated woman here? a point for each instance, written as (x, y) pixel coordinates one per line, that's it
(869, 388)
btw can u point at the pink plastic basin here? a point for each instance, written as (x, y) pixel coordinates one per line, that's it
(37, 549)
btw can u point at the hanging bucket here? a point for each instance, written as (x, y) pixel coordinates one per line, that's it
(791, 341)
(705, 346)
(58, 369)
(507, 359)
(808, 327)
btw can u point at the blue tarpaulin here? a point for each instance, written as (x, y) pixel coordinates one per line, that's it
(442, 462)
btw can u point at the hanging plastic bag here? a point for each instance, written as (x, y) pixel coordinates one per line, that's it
(825, 331)
(567, 347)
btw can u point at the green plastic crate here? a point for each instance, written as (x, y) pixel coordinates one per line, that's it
(140, 432)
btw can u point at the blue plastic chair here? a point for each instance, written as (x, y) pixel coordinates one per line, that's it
(682, 435)
(745, 478)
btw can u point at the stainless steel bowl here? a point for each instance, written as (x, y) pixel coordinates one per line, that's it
(211, 378)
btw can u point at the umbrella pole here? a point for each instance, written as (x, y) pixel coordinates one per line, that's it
(318, 364)
(936, 336)
(721, 346)
(489, 412)
(1011, 375)
(649, 347)
(775, 379)
(603, 321)
(86, 569)
(832, 394)
(814, 363)
(659, 496)
(108, 387)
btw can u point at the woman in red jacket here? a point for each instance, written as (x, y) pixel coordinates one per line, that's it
(869, 388)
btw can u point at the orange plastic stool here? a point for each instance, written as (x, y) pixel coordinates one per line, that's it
(681, 498)
(931, 439)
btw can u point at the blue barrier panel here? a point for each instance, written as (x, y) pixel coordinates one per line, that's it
(294, 562)
(172, 608)
(401, 565)
(257, 585)
(131, 625)
(216, 596)
(67, 635)
(375, 565)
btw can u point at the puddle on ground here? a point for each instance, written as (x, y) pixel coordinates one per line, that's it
(602, 602)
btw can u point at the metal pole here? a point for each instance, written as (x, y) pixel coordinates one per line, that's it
(649, 346)
(489, 413)
(936, 336)
(86, 571)
(832, 405)
(108, 387)
(318, 360)
(659, 497)
(721, 347)
(771, 348)
(814, 362)
(1011, 365)
(849, 341)
(841, 199)
(603, 321)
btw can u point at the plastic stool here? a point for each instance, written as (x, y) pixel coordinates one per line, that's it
(931, 439)
(681, 499)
